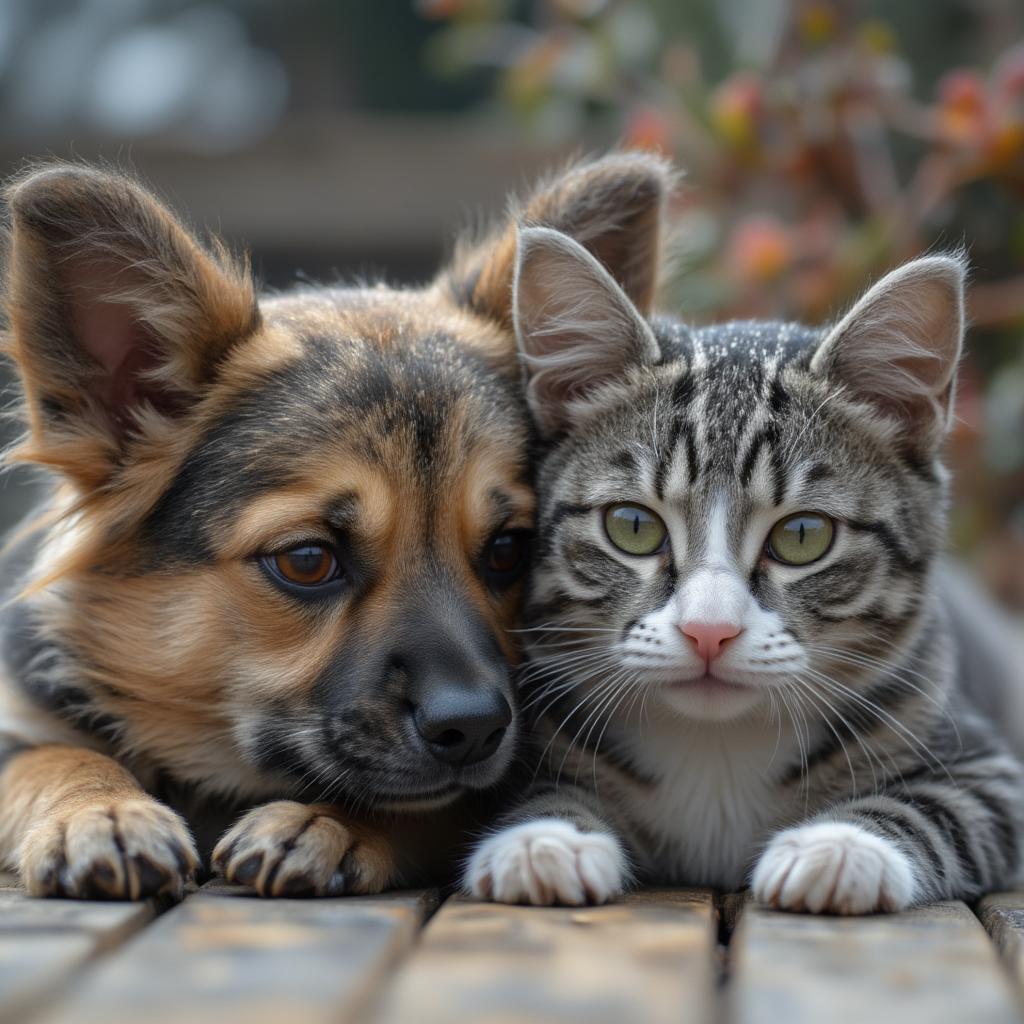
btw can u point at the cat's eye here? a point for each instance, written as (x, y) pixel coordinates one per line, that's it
(800, 539)
(306, 565)
(504, 559)
(634, 529)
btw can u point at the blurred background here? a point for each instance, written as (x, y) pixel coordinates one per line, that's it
(823, 142)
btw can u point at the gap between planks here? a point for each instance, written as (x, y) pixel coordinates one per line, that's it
(44, 944)
(1002, 914)
(224, 954)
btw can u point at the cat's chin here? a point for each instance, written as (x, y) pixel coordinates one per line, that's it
(708, 698)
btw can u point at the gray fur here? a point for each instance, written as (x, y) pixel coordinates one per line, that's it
(869, 706)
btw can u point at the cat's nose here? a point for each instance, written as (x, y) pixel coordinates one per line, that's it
(709, 637)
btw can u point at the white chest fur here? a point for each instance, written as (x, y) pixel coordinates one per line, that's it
(716, 799)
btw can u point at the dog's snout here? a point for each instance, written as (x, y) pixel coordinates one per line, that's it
(463, 727)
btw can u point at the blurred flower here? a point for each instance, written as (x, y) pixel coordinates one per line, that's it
(877, 36)
(817, 23)
(648, 128)
(734, 109)
(760, 250)
(815, 132)
(962, 110)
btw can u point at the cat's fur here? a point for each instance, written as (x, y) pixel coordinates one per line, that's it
(834, 753)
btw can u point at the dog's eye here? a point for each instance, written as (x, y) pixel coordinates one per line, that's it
(308, 565)
(505, 557)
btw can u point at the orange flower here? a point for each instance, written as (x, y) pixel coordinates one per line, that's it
(760, 250)
(962, 112)
(648, 129)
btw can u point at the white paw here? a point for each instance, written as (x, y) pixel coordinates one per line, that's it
(833, 868)
(544, 862)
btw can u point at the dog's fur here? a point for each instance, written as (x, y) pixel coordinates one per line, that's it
(151, 657)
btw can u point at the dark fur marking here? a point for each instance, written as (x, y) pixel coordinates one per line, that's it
(563, 510)
(903, 828)
(749, 460)
(1008, 836)
(950, 826)
(331, 388)
(778, 397)
(10, 747)
(624, 459)
(891, 545)
(29, 656)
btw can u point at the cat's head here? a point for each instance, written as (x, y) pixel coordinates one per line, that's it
(740, 517)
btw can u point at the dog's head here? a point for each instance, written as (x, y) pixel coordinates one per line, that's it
(291, 530)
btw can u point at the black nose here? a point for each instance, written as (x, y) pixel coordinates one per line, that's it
(463, 726)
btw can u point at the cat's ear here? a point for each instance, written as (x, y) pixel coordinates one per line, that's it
(114, 312)
(577, 328)
(899, 346)
(614, 207)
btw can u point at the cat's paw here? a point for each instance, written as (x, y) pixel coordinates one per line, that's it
(125, 850)
(545, 862)
(291, 849)
(833, 868)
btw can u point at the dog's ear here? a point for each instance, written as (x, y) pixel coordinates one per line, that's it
(115, 314)
(613, 207)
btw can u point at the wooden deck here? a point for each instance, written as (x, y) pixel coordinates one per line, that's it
(685, 956)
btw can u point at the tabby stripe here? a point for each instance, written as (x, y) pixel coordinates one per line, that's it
(942, 816)
(564, 510)
(902, 827)
(889, 542)
(1000, 822)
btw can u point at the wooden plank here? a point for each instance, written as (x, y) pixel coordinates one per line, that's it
(44, 943)
(1002, 914)
(648, 958)
(933, 964)
(224, 954)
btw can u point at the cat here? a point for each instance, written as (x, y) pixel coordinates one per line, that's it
(745, 655)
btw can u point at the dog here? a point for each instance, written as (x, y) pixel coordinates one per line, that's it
(272, 585)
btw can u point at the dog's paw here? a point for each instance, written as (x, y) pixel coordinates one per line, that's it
(125, 850)
(545, 862)
(833, 868)
(291, 849)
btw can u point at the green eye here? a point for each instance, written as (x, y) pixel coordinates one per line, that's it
(634, 529)
(800, 539)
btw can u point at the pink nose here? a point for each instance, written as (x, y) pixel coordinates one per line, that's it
(709, 636)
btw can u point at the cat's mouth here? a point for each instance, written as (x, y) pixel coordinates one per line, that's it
(709, 684)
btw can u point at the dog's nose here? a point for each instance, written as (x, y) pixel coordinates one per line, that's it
(463, 726)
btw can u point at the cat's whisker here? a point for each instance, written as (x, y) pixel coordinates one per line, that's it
(898, 672)
(557, 731)
(609, 692)
(814, 697)
(913, 741)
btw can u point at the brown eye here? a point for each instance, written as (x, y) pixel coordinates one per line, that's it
(308, 565)
(505, 557)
